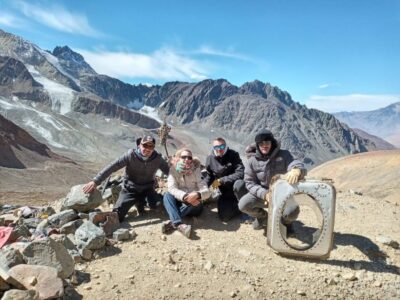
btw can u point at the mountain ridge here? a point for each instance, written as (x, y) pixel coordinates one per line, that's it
(212, 107)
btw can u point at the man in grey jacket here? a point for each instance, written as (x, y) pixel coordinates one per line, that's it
(268, 161)
(141, 165)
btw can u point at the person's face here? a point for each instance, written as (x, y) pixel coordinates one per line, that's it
(219, 148)
(186, 157)
(265, 147)
(146, 149)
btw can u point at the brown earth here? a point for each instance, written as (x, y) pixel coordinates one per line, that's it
(231, 260)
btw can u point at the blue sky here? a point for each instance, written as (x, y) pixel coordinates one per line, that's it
(331, 55)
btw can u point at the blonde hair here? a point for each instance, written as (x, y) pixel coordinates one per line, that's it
(178, 153)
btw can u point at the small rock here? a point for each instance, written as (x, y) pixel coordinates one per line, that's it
(121, 234)
(386, 240)
(178, 285)
(377, 283)
(357, 266)
(355, 192)
(350, 276)
(301, 293)
(331, 281)
(163, 237)
(208, 266)
(233, 294)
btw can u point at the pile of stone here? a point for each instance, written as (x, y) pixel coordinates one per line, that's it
(39, 246)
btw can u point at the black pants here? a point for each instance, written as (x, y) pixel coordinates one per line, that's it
(228, 201)
(127, 199)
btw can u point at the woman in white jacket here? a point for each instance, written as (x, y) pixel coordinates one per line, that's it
(186, 191)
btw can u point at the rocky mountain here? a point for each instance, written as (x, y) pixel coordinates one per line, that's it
(20, 150)
(15, 80)
(384, 122)
(206, 108)
(217, 107)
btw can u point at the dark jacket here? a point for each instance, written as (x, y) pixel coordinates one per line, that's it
(260, 169)
(227, 168)
(139, 174)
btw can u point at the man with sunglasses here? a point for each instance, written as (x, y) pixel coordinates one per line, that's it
(224, 168)
(141, 165)
(268, 161)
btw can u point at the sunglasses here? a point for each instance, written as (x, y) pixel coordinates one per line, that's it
(148, 146)
(186, 157)
(265, 143)
(219, 147)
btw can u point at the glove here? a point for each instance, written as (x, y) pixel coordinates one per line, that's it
(267, 198)
(293, 176)
(216, 183)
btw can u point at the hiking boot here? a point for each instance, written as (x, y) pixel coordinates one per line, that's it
(246, 219)
(167, 227)
(186, 230)
(259, 223)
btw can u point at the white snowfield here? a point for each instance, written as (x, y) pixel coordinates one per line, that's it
(148, 111)
(61, 96)
(29, 119)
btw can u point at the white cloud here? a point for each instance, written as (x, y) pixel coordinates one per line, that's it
(327, 85)
(352, 102)
(164, 64)
(57, 17)
(231, 54)
(10, 20)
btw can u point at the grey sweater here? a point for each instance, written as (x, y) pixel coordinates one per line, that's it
(139, 174)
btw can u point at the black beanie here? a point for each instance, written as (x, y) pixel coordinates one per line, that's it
(264, 135)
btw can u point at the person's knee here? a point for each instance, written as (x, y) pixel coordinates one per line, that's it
(245, 204)
(168, 198)
(239, 189)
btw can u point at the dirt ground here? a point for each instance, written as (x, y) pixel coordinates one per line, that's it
(231, 260)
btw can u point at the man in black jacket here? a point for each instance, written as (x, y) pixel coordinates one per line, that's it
(224, 168)
(141, 165)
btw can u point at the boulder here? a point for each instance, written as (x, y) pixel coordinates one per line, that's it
(62, 218)
(71, 227)
(10, 257)
(81, 202)
(108, 221)
(48, 252)
(89, 236)
(42, 279)
(21, 295)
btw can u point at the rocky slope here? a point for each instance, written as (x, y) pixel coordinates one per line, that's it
(379, 142)
(15, 80)
(20, 150)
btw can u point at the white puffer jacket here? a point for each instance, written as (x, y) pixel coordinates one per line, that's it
(179, 184)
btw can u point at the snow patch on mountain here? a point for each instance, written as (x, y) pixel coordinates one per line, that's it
(150, 112)
(60, 95)
(135, 104)
(46, 134)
